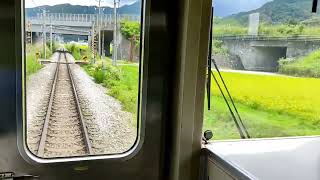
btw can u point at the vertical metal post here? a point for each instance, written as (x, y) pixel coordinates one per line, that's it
(103, 51)
(51, 43)
(44, 34)
(115, 46)
(99, 28)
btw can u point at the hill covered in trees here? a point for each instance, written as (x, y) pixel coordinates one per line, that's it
(276, 12)
(134, 9)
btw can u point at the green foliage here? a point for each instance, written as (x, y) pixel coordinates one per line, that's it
(130, 30)
(270, 106)
(278, 11)
(282, 30)
(32, 65)
(218, 48)
(228, 29)
(55, 45)
(78, 51)
(121, 81)
(278, 18)
(308, 66)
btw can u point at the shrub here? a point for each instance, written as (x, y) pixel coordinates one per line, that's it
(78, 51)
(131, 29)
(308, 66)
(32, 66)
(219, 48)
(121, 81)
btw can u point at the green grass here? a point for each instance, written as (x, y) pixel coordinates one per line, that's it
(121, 81)
(283, 30)
(260, 124)
(308, 66)
(32, 65)
(78, 51)
(271, 106)
(220, 30)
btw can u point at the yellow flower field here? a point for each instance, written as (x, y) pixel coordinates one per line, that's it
(296, 97)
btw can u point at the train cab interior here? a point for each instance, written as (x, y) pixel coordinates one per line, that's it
(160, 90)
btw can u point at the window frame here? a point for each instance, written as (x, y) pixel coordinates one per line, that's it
(141, 105)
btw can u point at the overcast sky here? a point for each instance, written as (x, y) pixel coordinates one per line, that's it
(33, 3)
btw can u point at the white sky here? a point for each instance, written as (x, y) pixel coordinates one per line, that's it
(34, 3)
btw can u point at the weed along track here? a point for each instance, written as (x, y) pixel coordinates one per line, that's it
(64, 132)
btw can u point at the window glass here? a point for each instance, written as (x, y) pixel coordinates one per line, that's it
(81, 76)
(267, 53)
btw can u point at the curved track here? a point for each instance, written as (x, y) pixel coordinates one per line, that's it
(64, 133)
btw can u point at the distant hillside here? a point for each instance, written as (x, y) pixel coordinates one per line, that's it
(134, 8)
(225, 8)
(278, 11)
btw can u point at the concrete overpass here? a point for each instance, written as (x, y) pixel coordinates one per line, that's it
(74, 24)
(79, 25)
(261, 53)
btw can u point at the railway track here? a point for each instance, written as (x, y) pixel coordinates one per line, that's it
(64, 132)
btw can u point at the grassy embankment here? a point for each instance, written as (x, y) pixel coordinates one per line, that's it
(121, 82)
(32, 64)
(308, 66)
(283, 30)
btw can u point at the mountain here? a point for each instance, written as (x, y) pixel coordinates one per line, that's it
(225, 8)
(133, 9)
(278, 11)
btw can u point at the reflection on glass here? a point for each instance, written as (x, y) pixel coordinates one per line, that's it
(82, 76)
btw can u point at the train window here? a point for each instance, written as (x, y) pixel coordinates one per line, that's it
(82, 77)
(264, 78)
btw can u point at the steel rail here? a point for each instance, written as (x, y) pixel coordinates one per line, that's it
(44, 133)
(83, 125)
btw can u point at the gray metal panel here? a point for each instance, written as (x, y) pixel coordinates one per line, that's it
(145, 164)
(271, 159)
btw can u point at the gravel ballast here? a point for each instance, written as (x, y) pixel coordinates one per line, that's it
(110, 129)
(37, 96)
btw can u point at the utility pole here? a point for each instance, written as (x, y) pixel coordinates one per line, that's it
(115, 41)
(103, 51)
(51, 43)
(99, 28)
(44, 34)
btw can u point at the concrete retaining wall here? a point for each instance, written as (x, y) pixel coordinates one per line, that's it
(228, 62)
(263, 55)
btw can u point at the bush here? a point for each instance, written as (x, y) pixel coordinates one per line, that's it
(121, 81)
(32, 66)
(131, 29)
(308, 66)
(221, 30)
(78, 51)
(219, 48)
